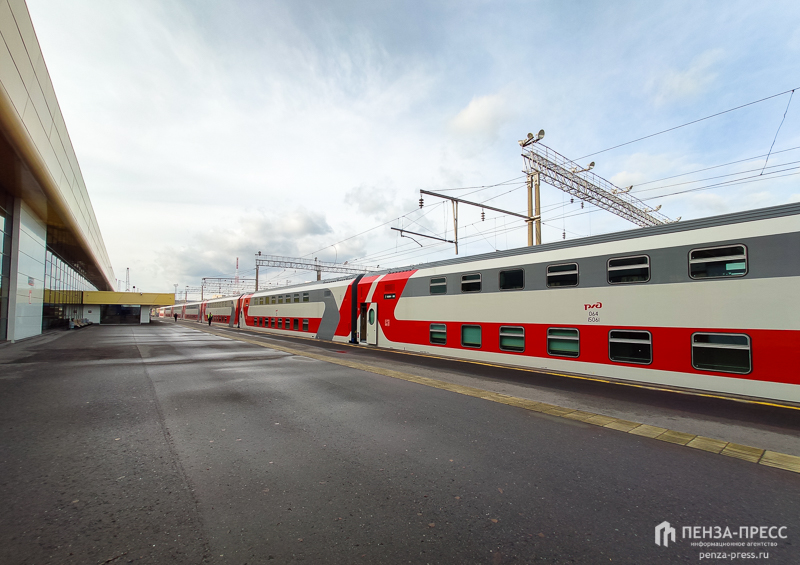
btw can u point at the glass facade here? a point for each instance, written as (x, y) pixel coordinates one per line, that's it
(63, 287)
(6, 210)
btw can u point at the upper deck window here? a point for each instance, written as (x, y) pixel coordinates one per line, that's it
(629, 269)
(471, 283)
(512, 280)
(565, 274)
(438, 285)
(717, 262)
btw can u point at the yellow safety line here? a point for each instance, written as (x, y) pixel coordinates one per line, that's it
(744, 452)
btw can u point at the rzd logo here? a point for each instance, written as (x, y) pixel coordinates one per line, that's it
(593, 306)
(664, 533)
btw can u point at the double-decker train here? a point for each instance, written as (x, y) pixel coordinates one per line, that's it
(706, 305)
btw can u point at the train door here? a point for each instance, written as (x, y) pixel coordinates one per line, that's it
(362, 332)
(372, 324)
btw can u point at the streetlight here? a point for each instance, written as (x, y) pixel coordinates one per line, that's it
(530, 140)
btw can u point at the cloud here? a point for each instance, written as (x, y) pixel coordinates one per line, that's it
(645, 167)
(380, 202)
(483, 117)
(213, 252)
(674, 85)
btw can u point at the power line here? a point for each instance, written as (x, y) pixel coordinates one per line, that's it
(688, 123)
(717, 177)
(735, 182)
(481, 187)
(716, 166)
(779, 129)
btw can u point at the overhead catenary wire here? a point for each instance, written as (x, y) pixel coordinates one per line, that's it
(779, 129)
(712, 178)
(716, 166)
(687, 123)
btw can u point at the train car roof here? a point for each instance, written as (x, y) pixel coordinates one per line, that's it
(635, 233)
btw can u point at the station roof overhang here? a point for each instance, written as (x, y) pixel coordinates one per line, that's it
(24, 174)
(129, 298)
(38, 164)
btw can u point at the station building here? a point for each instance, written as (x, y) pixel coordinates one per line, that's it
(53, 253)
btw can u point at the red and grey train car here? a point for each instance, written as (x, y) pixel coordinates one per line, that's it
(705, 304)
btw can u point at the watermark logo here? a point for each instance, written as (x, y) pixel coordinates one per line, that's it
(664, 533)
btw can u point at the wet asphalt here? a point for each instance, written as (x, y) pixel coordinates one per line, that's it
(163, 444)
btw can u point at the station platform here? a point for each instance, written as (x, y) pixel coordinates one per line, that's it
(176, 443)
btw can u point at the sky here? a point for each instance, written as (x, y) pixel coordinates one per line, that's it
(208, 131)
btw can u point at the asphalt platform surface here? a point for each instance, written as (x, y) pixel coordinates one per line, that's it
(164, 444)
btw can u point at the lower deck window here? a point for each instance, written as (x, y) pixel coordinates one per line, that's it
(295, 324)
(305, 325)
(512, 338)
(438, 334)
(726, 353)
(280, 322)
(626, 346)
(471, 336)
(563, 342)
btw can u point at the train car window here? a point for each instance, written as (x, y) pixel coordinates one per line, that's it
(471, 283)
(563, 342)
(512, 280)
(274, 300)
(305, 325)
(326, 292)
(717, 262)
(280, 323)
(438, 334)
(726, 353)
(280, 299)
(305, 297)
(273, 322)
(297, 297)
(287, 325)
(630, 346)
(438, 285)
(562, 275)
(295, 324)
(512, 338)
(629, 269)
(471, 336)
